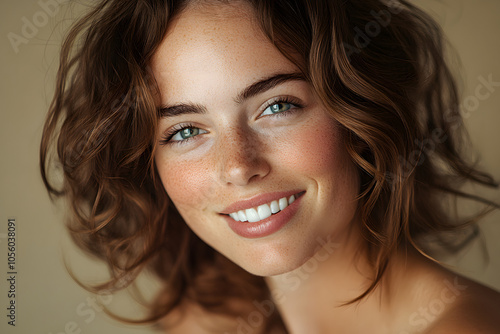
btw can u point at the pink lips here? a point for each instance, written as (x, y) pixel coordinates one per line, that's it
(266, 226)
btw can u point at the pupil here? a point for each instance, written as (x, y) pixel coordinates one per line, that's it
(188, 133)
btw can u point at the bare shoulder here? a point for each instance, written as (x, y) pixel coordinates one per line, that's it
(475, 310)
(436, 300)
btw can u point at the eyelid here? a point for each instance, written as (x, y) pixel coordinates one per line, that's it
(170, 133)
(297, 103)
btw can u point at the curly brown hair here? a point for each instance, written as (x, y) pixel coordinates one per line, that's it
(379, 68)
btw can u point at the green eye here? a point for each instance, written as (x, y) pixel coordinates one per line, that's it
(186, 133)
(277, 108)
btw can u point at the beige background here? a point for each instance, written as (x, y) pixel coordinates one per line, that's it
(48, 300)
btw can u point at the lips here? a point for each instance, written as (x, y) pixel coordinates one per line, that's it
(264, 214)
(253, 215)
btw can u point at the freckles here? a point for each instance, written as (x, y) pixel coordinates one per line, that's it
(185, 182)
(316, 149)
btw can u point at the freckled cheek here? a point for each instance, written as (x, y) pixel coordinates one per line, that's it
(314, 150)
(186, 183)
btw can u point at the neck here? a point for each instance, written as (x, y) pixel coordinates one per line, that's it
(312, 298)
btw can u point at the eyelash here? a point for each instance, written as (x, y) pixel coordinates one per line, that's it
(173, 131)
(296, 105)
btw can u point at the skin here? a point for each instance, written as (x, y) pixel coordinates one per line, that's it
(317, 261)
(208, 62)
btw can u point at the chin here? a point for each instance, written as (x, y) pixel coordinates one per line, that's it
(269, 270)
(276, 261)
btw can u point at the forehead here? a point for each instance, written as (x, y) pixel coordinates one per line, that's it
(204, 44)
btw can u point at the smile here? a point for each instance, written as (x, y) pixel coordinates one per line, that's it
(263, 215)
(253, 215)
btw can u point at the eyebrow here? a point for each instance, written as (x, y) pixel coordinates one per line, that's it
(266, 84)
(254, 89)
(181, 109)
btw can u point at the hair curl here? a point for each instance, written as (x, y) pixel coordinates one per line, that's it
(390, 88)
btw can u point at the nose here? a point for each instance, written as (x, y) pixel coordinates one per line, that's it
(241, 157)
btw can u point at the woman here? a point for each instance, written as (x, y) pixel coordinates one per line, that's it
(265, 160)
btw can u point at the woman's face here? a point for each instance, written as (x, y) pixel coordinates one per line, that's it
(241, 133)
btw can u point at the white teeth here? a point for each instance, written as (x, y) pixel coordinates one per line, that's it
(242, 216)
(263, 211)
(275, 208)
(252, 215)
(283, 203)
